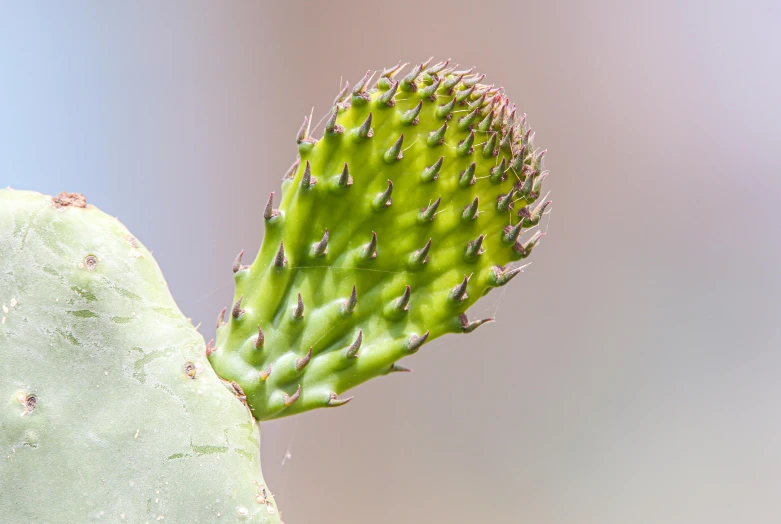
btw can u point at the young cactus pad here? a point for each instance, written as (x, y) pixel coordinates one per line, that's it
(420, 197)
(109, 411)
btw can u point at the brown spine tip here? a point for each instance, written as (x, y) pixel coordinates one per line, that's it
(352, 349)
(504, 202)
(384, 199)
(464, 72)
(470, 211)
(473, 80)
(398, 368)
(428, 213)
(467, 177)
(537, 186)
(502, 277)
(497, 173)
(408, 82)
(280, 259)
(221, 317)
(459, 293)
(466, 121)
(291, 171)
(528, 185)
(210, 348)
(432, 172)
(394, 153)
(402, 303)
(464, 94)
(390, 72)
(237, 262)
(270, 212)
(486, 122)
(320, 249)
(236, 312)
(303, 131)
(307, 180)
(387, 97)
(538, 159)
(412, 116)
(261, 338)
(531, 217)
(437, 137)
(331, 127)
(511, 232)
(507, 141)
(420, 257)
(416, 341)
(365, 130)
(362, 84)
(289, 400)
(468, 327)
(342, 94)
(298, 310)
(348, 306)
(334, 401)
(489, 148)
(464, 147)
(474, 249)
(370, 251)
(430, 91)
(450, 82)
(345, 180)
(303, 361)
(524, 249)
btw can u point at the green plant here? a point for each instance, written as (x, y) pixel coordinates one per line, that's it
(411, 206)
(110, 410)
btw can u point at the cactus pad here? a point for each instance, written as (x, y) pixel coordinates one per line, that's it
(109, 411)
(420, 197)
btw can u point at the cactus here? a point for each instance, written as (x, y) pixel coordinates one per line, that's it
(411, 207)
(421, 196)
(109, 410)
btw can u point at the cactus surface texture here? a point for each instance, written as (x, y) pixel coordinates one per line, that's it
(109, 410)
(421, 195)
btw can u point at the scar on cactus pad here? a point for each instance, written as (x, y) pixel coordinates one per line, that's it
(421, 196)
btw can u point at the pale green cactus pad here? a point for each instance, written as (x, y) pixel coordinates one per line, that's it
(109, 410)
(421, 196)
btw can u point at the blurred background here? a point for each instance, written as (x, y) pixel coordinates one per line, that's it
(633, 375)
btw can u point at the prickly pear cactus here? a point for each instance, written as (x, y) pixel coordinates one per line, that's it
(109, 411)
(421, 196)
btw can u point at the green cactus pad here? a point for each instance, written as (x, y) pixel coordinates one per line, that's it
(107, 403)
(421, 196)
